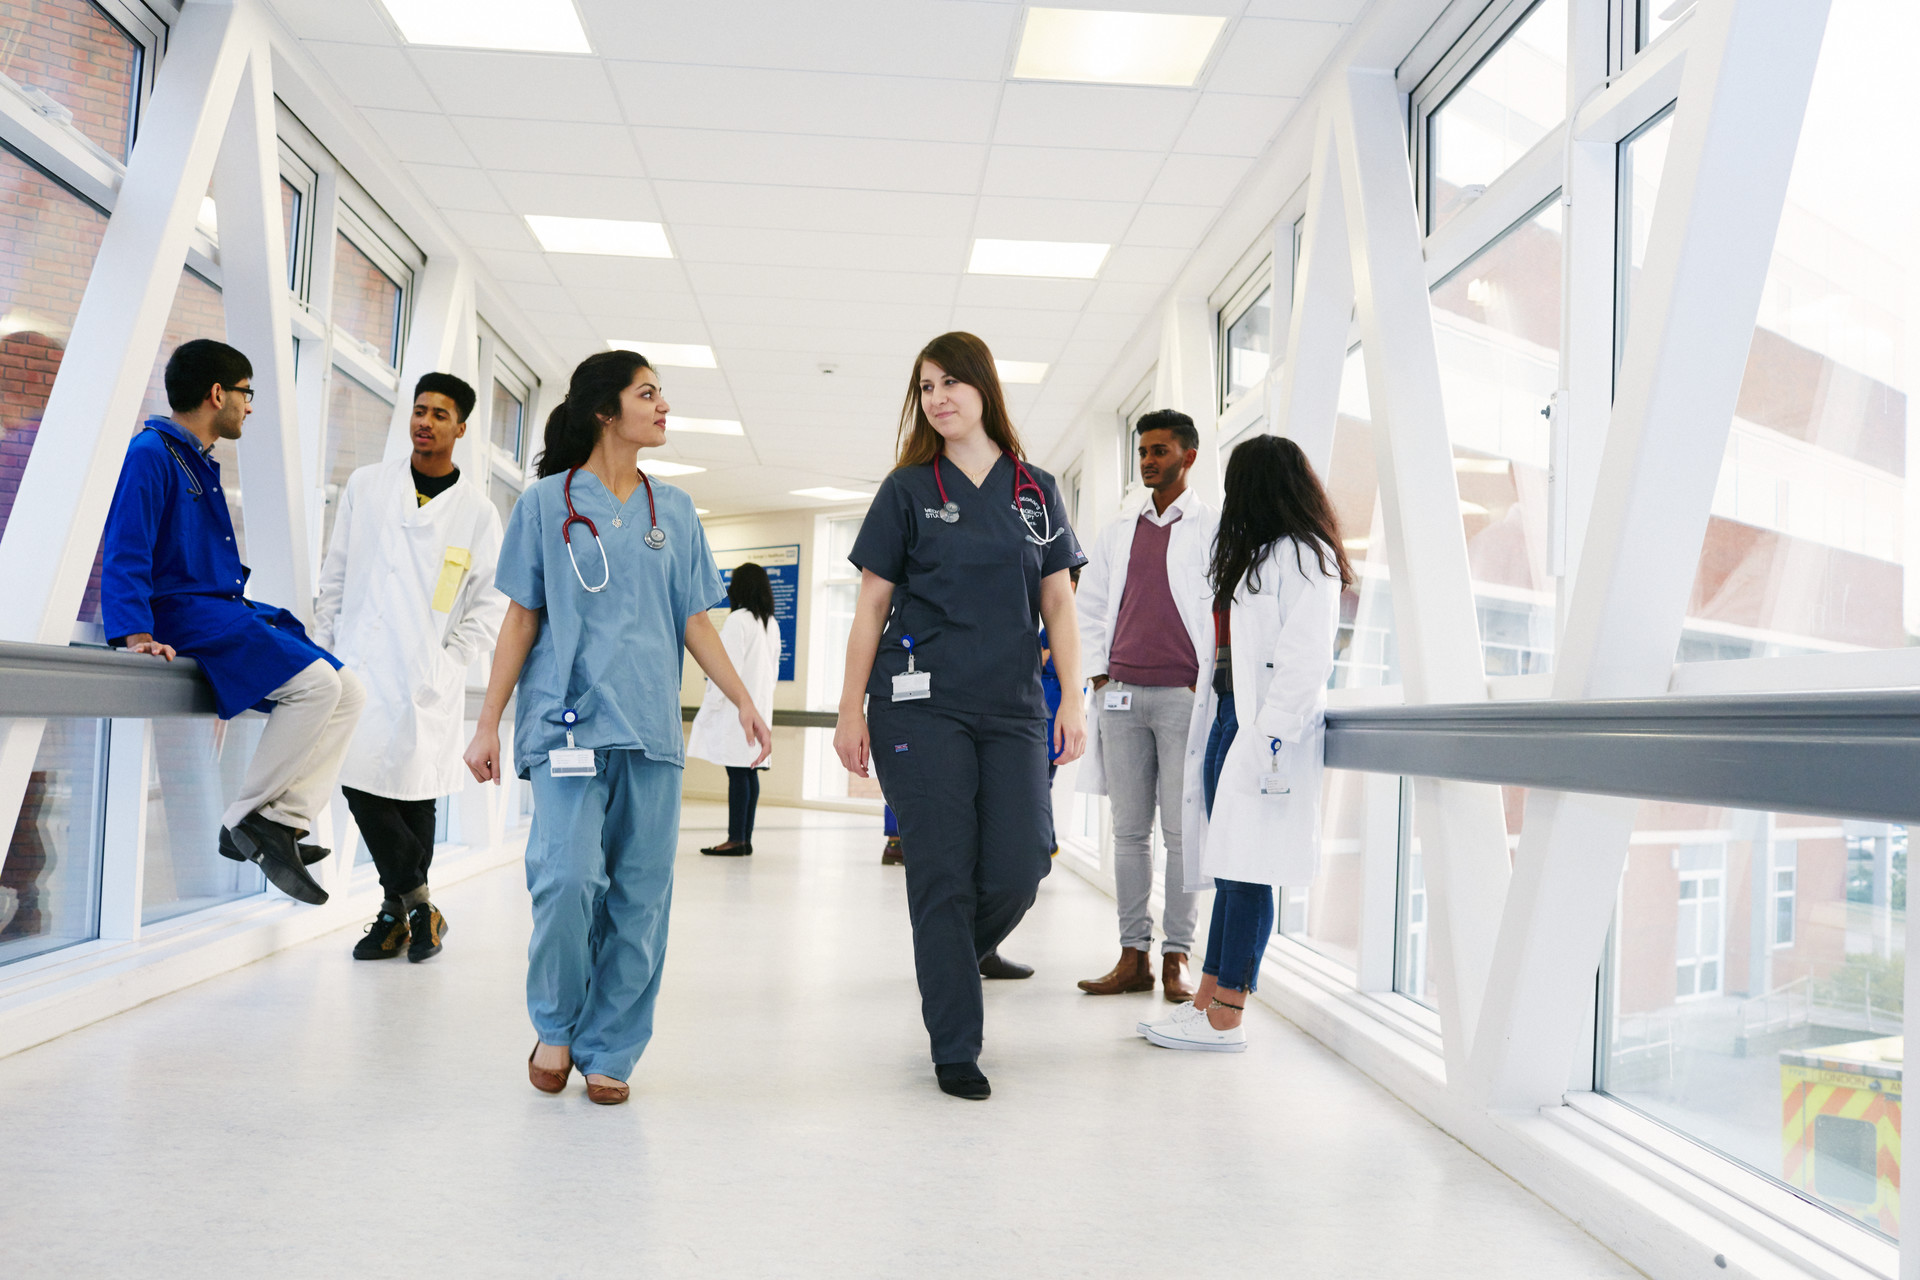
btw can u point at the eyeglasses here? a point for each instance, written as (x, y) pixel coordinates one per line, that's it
(243, 391)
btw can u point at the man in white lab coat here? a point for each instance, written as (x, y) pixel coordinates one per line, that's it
(407, 601)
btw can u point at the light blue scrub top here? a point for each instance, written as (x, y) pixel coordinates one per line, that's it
(613, 656)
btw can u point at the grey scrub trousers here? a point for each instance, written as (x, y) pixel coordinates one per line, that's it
(965, 769)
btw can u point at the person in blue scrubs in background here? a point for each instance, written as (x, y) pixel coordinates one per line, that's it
(964, 551)
(607, 574)
(171, 583)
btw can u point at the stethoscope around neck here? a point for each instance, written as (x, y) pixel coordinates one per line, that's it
(656, 536)
(1023, 482)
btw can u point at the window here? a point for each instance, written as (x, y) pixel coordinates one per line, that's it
(366, 301)
(1655, 16)
(1497, 330)
(84, 66)
(1359, 811)
(50, 876)
(1643, 157)
(1248, 346)
(1513, 97)
(291, 203)
(194, 771)
(1364, 653)
(1785, 873)
(508, 411)
(358, 420)
(1698, 955)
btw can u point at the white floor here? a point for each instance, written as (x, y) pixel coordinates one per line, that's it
(310, 1116)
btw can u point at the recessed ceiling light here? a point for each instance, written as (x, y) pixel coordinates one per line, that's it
(701, 511)
(677, 355)
(610, 237)
(1063, 258)
(526, 26)
(659, 467)
(1103, 47)
(705, 426)
(1021, 370)
(828, 493)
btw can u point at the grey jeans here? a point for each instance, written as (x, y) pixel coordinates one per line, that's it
(1143, 752)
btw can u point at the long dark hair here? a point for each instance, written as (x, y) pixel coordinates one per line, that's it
(1272, 493)
(966, 358)
(749, 588)
(574, 426)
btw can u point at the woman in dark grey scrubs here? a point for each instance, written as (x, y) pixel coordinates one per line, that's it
(964, 551)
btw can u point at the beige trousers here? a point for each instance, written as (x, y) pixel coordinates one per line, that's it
(298, 760)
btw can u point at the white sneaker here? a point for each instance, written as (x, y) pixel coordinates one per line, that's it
(1182, 1012)
(1198, 1034)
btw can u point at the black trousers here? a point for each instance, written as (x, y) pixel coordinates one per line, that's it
(399, 835)
(970, 792)
(743, 800)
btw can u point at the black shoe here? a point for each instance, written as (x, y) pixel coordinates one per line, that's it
(312, 853)
(728, 850)
(270, 846)
(892, 856)
(384, 938)
(962, 1080)
(428, 926)
(992, 966)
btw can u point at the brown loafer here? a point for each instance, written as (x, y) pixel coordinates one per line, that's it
(1134, 972)
(607, 1095)
(544, 1080)
(1172, 980)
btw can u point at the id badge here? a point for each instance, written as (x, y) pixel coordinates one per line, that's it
(1118, 700)
(571, 762)
(909, 685)
(1274, 784)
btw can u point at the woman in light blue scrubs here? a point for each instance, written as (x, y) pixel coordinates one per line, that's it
(608, 574)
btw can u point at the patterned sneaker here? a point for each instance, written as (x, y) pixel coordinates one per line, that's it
(428, 926)
(384, 937)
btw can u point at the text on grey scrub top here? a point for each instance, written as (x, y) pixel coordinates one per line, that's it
(967, 592)
(613, 656)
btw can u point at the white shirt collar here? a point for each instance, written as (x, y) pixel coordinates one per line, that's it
(1177, 509)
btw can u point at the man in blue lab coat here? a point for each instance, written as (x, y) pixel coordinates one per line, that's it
(172, 583)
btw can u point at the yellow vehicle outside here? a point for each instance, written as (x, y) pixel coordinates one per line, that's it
(1840, 1131)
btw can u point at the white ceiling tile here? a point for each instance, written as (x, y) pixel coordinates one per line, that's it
(359, 21)
(420, 136)
(873, 164)
(523, 86)
(596, 271)
(1137, 263)
(731, 204)
(1179, 226)
(1011, 291)
(373, 75)
(1110, 117)
(833, 249)
(969, 41)
(1202, 180)
(833, 342)
(1061, 173)
(709, 278)
(781, 368)
(540, 146)
(1015, 322)
(551, 298)
(578, 195)
(806, 102)
(808, 314)
(1108, 326)
(1089, 352)
(1125, 297)
(624, 308)
(1273, 56)
(1316, 10)
(1018, 218)
(1234, 124)
(508, 266)
(492, 230)
(450, 188)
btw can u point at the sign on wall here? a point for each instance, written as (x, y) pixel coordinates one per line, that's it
(783, 571)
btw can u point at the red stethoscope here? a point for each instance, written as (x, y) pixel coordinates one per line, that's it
(1023, 483)
(656, 536)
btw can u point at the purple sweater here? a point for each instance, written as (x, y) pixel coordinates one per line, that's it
(1150, 642)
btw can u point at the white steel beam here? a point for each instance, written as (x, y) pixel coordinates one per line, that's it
(1306, 404)
(1184, 380)
(1742, 99)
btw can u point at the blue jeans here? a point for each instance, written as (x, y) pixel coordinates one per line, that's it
(1242, 912)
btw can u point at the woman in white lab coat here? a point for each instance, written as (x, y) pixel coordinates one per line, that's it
(752, 639)
(1251, 816)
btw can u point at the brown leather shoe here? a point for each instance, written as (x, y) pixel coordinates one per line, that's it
(544, 1080)
(607, 1095)
(1134, 972)
(1172, 979)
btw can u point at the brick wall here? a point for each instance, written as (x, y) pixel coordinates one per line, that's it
(72, 52)
(366, 303)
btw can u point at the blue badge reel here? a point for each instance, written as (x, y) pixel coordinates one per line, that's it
(571, 761)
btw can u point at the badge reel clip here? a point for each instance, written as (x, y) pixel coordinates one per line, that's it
(571, 761)
(911, 684)
(1274, 781)
(1118, 700)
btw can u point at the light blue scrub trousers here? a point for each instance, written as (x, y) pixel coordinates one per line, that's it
(600, 869)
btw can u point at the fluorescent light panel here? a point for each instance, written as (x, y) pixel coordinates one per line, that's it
(1104, 47)
(1023, 371)
(660, 467)
(676, 355)
(704, 426)
(1064, 259)
(608, 237)
(829, 493)
(524, 26)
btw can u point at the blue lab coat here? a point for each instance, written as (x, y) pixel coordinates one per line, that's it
(171, 569)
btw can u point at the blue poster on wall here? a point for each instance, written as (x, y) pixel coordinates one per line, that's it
(783, 571)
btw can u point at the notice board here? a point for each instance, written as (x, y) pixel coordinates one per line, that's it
(783, 571)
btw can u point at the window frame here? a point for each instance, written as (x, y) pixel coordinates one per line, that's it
(1257, 283)
(359, 232)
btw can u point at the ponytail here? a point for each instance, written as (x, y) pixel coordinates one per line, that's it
(574, 426)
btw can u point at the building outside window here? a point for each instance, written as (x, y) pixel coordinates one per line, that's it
(1514, 96)
(77, 64)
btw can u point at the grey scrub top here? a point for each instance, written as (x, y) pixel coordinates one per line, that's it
(968, 592)
(613, 656)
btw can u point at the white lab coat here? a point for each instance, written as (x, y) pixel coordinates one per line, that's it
(1104, 581)
(399, 607)
(1282, 639)
(754, 647)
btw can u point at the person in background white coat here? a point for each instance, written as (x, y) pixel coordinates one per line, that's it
(1252, 803)
(752, 640)
(407, 601)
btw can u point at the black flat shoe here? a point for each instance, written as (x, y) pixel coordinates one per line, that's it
(962, 1080)
(271, 847)
(309, 853)
(728, 851)
(992, 965)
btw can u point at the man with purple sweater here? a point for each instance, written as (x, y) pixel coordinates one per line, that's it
(1145, 615)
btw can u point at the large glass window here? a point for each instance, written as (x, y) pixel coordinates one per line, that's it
(193, 773)
(50, 873)
(1249, 346)
(1359, 817)
(1512, 99)
(1364, 650)
(292, 201)
(1497, 328)
(1414, 973)
(1755, 992)
(508, 422)
(80, 59)
(366, 301)
(358, 420)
